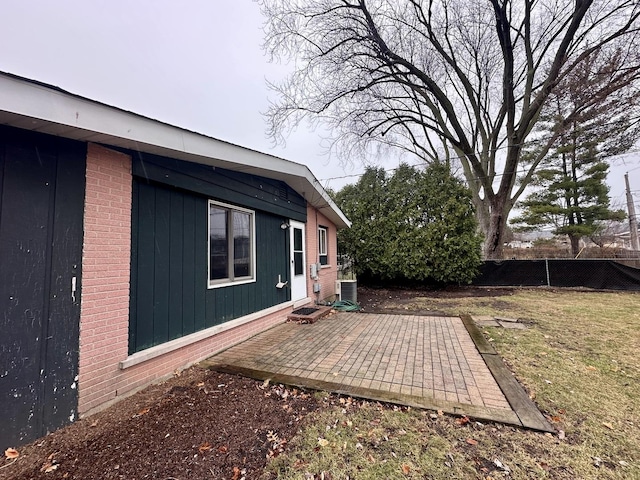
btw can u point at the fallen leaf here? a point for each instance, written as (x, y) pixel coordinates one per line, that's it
(51, 468)
(591, 368)
(11, 453)
(405, 469)
(201, 384)
(608, 425)
(205, 447)
(236, 473)
(223, 449)
(471, 441)
(463, 420)
(143, 411)
(323, 442)
(555, 418)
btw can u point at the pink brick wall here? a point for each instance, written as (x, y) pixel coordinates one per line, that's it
(328, 273)
(104, 319)
(106, 257)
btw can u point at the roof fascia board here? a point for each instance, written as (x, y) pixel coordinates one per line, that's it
(26, 98)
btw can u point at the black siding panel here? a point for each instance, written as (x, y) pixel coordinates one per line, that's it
(41, 231)
(61, 362)
(26, 193)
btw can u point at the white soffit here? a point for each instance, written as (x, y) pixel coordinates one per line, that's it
(35, 106)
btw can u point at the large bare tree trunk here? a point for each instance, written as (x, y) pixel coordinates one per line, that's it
(419, 76)
(494, 234)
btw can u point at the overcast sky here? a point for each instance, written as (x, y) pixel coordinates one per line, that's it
(197, 64)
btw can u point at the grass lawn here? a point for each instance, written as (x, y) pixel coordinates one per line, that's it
(579, 361)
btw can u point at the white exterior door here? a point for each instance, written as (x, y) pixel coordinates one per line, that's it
(298, 264)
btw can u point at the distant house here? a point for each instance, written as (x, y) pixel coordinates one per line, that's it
(130, 248)
(527, 239)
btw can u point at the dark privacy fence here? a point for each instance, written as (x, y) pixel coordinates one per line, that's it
(598, 274)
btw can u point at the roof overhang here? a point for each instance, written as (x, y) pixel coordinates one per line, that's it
(35, 106)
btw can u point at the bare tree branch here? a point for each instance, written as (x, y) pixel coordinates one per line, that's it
(416, 74)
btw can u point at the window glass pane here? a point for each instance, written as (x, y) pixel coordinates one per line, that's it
(297, 239)
(218, 243)
(298, 264)
(322, 241)
(241, 244)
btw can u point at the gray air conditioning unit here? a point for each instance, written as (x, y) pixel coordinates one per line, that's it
(347, 290)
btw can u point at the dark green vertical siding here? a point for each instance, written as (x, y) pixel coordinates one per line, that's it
(238, 188)
(170, 297)
(189, 282)
(176, 261)
(161, 266)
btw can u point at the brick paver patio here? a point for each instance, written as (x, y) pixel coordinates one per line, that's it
(424, 361)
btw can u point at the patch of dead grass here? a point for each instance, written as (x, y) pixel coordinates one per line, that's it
(579, 361)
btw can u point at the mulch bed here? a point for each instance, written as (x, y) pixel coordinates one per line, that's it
(198, 425)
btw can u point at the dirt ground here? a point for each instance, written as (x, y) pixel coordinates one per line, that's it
(399, 300)
(199, 424)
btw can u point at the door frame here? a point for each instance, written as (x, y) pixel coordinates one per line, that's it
(297, 282)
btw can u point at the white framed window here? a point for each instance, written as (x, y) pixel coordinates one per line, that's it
(232, 245)
(323, 245)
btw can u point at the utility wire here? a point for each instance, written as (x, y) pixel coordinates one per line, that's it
(496, 175)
